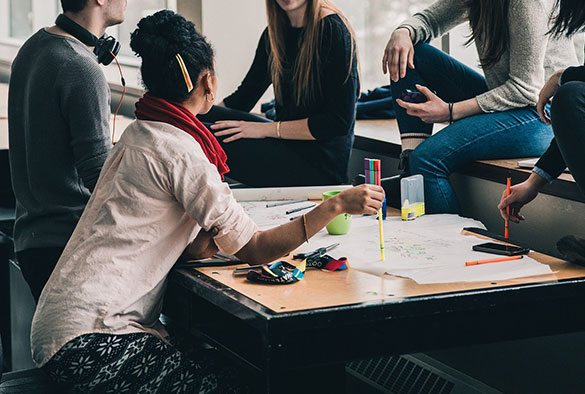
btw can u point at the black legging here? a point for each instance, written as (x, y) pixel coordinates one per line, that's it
(37, 266)
(265, 162)
(568, 122)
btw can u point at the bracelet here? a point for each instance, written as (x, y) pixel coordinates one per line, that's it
(305, 227)
(278, 130)
(450, 113)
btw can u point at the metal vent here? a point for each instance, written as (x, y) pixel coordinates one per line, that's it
(414, 374)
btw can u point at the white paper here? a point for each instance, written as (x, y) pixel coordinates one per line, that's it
(266, 218)
(428, 250)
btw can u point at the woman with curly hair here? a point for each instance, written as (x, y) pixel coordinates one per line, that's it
(160, 196)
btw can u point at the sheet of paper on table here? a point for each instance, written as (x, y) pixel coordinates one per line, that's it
(430, 249)
(266, 218)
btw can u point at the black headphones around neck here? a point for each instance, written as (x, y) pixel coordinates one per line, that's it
(102, 46)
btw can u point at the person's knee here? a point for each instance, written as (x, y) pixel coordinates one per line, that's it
(568, 106)
(569, 94)
(421, 162)
(423, 51)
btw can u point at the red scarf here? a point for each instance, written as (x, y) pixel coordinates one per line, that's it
(157, 109)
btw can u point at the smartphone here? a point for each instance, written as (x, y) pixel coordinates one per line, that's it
(495, 248)
(413, 96)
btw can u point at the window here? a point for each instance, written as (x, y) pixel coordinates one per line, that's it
(136, 10)
(373, 22)
(21, 18)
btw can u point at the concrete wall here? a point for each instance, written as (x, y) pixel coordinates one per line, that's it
(234, 29)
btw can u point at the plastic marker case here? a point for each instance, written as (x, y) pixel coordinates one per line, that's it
(412, 195)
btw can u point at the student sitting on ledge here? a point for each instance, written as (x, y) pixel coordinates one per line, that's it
(568, 123)
(159, 196)
(490, 118)
(308, 53)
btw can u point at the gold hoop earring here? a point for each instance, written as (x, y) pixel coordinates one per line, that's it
(212, 97)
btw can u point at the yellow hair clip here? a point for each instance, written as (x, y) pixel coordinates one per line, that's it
(185, 73)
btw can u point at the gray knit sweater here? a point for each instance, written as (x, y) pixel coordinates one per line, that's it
(516, 80)
(58, 117)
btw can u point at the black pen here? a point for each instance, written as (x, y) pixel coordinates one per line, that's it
(300, 209)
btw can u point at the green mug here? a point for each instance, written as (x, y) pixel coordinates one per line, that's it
(339, 225)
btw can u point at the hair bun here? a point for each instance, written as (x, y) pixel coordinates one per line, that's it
(161, 35)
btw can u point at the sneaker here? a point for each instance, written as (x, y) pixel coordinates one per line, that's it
(572, 249)
(404, 163)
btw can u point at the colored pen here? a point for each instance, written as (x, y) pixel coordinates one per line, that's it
(300, 209)
(498, 260)
(277, 204)
(381, 234)
(507, 224)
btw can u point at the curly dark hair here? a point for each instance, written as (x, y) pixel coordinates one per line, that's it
(157, 40)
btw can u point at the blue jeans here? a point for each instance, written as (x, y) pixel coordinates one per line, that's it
(499, 135)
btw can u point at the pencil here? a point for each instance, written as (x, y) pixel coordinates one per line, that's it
(300, 209)
(381, 234)
(376, 164)
(507, 224)
(470, 263)
(277, 204)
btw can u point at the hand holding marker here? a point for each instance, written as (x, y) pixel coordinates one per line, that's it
(372, 172)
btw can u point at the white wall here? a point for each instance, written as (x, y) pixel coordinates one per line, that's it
(234, 28)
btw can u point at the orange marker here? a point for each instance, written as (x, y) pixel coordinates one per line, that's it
(470, 263)
(507, 225)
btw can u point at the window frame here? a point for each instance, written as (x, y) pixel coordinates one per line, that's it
(50, 7)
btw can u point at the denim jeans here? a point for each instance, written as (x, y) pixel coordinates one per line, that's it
(499, 135)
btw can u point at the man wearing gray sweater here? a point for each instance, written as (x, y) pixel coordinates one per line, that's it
(58, 111)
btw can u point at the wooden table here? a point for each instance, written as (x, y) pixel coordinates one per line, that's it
(305, 332)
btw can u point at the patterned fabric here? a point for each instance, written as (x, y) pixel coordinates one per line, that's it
(136, 363)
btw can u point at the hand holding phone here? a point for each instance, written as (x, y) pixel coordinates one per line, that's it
(495, 248)
(413, 96)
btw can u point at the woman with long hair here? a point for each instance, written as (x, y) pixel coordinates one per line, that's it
(566, 88)
(490, 116)
(160, 196)
(308, 54)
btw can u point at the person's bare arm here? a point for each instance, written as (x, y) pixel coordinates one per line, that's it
(272, 244)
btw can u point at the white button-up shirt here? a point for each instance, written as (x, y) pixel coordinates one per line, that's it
(155, 192)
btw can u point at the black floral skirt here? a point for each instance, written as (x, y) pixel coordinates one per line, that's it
(137, 363)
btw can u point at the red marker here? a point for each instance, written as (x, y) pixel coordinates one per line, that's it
(498, 260)
(507, 225)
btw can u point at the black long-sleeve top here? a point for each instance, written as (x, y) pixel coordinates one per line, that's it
(552, 162)
(331, 117)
